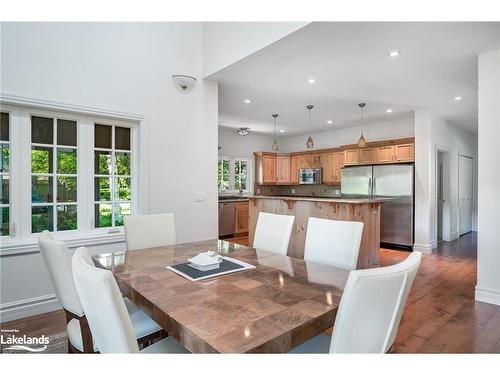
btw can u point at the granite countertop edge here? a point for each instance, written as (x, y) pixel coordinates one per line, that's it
(323, 199)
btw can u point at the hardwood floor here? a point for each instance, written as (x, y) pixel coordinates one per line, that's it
(441, 315)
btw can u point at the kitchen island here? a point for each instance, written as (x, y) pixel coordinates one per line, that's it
(365, 210)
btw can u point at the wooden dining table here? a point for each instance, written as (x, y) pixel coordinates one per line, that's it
(271, 308)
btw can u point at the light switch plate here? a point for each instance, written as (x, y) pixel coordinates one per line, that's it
(200, 196)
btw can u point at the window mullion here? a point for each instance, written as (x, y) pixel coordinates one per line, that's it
(54, 177)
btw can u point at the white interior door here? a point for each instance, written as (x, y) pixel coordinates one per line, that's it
(465, 184)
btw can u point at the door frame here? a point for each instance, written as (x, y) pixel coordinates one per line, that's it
(446, 233)
(460, 154)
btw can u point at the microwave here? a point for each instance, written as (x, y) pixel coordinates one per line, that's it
(310, 176)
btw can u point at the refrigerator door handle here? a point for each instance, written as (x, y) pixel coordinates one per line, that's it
(374, 191)
(370, 186)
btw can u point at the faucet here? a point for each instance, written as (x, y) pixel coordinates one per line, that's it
(241, 192)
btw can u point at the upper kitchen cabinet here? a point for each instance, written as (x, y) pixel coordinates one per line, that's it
(283, 169)
(265, 168)
(385, 154)
(351, 157)
(396, 153)
(294, 168)
(338, 164)
(404, 152)
(368, 155)
(328, 164)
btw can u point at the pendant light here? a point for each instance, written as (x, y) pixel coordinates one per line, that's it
(362, 140)
(309, 141)
(275, 143)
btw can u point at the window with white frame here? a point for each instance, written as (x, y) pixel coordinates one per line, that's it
(232, 174)
(112, 169)
(54, 174)
(64, 173)
(4, 174)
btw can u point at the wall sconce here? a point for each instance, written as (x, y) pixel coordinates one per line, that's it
(183, 83)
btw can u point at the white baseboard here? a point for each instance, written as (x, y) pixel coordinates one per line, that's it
(28, 307)
(425, 248)
(452, 237)
(488, 295)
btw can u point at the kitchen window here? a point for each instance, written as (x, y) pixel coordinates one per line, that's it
(232, 174)
(67, 173)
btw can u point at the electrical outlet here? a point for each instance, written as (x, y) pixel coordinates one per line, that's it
(200, 196)
(258, 191)
(292, 191)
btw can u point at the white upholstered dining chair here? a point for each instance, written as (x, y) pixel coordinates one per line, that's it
(272, 232)
(106, 312)
(370, 310)
(57, 257)
(145, 231)
(333, 242)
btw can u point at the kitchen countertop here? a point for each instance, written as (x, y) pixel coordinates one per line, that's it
(233, 200)
(322, 199)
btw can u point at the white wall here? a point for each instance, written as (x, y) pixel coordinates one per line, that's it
(124, 67)
(334, 138)
(432, 133)
(235, 145)
(227, 42)
(488, 262)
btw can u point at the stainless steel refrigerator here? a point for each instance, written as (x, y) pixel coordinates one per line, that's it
(387, 181)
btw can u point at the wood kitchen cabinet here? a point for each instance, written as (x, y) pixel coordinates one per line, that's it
(404, 153)
(385, 154)
(328, 164)
(283, 169)
(241, 218)
(338, 164)
(368, 155)
(265, 168)
(294, 168)
(351, 157)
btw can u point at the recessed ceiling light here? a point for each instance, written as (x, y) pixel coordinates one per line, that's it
(457, 98)
(394, 53)
(329, 121)
(282, 130)
(247, 101)
(311, 80)
(389, 110)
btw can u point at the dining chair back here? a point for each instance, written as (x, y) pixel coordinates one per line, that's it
(371, 307)
(104, 307)
(145, 231)
(272, 232)
(333, 242)
(57, 257)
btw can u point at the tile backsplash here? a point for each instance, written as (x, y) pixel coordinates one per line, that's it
(327, 191)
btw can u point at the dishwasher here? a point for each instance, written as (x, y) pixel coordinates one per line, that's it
(226, 219)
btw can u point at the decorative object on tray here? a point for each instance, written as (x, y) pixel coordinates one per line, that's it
(206, 261)
(206, 265)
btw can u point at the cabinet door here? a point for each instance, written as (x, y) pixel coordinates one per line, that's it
(241, 218)
(368, 155)
(337, 166)
(328, 164)
(351, 157)
(405, 153)
(269, 168)
(317, 160)
(306, 161)
(385, 154)
(294, 169)
(283, 169)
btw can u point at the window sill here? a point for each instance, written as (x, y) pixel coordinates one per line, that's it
(17, 247)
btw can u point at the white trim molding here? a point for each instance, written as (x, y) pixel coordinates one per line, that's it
(425, 248)
(28, 307)
(453, 236)
(65, 107)
(487, 295)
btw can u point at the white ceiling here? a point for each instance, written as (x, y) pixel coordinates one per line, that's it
(350, 63)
